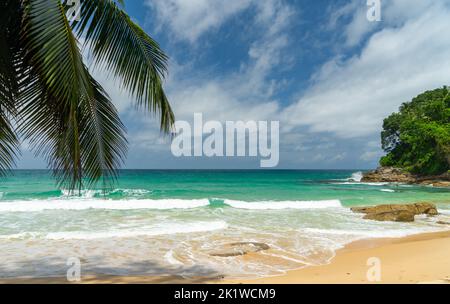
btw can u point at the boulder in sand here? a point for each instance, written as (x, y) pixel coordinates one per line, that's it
(397, 212)
(416, 209)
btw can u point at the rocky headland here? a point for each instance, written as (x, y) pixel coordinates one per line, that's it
(397, 175)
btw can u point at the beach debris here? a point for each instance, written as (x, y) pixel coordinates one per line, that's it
(240, 248)
(397, 212)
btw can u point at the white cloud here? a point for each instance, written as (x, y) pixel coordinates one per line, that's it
(245, 94)
(393, 13)
(189, 19)
(351, 97)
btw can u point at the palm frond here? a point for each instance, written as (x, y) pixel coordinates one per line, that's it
(8, 145)
(66, 115)
(10, 12)
(120, 46)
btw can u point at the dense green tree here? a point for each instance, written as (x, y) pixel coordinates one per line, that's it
(48, 96)
(417, 138)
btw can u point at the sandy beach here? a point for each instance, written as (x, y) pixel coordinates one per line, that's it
(422, 258)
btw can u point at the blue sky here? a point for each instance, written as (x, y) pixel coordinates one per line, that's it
(321, 68)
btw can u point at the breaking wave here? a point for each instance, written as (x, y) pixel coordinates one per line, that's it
(269, 205)
(83, 204)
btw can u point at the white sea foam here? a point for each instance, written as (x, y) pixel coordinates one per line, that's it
(93, 193)
(80, 194)
(164, 229)
(131, 192)
(360, 183)
(82, 204)
(388, 233)
(356, 177)
(270, 205)
(171, 259)
(387, 190)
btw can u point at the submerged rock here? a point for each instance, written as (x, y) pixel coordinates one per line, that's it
(240, 248)
(397, 212)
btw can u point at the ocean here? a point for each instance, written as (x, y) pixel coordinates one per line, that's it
(156, 222)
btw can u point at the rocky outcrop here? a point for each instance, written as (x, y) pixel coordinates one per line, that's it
(393, 216)
(388, 175)
(241, 248)
(416, 209)
(397, 212)
(397, 175)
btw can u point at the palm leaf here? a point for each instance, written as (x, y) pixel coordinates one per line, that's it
(66, 115)
(10, 12)
(123, 48)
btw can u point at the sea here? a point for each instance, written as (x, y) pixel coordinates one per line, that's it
(174, 222)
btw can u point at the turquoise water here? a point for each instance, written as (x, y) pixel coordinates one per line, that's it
(160, 222)
(219, 185)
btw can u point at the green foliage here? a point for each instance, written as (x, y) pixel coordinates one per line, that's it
(48, 96)
(417, 138)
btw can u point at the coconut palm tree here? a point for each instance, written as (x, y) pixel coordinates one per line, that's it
(49, 98)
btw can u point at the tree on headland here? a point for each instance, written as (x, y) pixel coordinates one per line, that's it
(417, 138)
(49, 98)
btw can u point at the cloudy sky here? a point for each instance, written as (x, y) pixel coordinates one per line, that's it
(321, 68)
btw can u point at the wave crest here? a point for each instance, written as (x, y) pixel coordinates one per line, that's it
(271, 205)
(83, 204)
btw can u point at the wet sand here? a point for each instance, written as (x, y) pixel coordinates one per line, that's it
(423, 258)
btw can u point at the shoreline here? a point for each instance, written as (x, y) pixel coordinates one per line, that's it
(420, 258)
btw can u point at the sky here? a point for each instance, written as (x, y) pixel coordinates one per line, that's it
(321, 68)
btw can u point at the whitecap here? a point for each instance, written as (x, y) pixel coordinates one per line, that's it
(83, 204)
(273, 205)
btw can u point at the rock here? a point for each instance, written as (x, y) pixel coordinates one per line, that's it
(438, 184)
(240, 248)
(388, 175)
(426, 208)
(397, 175)
(416, 209)
(393, 216)
(396, 212)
